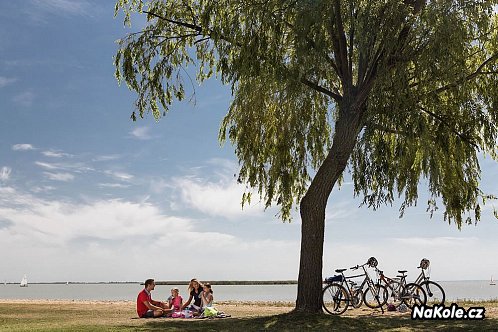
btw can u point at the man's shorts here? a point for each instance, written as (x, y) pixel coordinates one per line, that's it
(149, 314)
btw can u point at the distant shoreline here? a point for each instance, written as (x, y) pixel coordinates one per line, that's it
(168, 282)
(186, 282)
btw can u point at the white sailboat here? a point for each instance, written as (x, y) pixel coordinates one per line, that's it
(492, 282)
(24, 281)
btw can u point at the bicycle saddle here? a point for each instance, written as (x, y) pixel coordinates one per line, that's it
(403, 271)
(340, 270)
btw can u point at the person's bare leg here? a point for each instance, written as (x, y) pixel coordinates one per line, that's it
(158, 313)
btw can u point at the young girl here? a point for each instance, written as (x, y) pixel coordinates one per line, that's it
(207, 296)
(175, 300)
(195, 290)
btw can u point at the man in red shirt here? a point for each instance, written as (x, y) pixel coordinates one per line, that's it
(147, 307)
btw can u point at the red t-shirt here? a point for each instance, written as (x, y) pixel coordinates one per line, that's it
(141, 307)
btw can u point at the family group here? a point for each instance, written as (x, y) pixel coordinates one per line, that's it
(199, 302)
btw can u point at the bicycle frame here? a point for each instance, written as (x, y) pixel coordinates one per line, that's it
(401, 291)
(391, 283)
(370, 283)
(421, 277)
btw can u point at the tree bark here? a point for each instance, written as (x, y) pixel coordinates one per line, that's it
(312, 209)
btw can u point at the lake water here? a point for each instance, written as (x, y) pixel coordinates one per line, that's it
(472, 290)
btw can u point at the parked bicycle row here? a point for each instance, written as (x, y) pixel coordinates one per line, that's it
(342, 291)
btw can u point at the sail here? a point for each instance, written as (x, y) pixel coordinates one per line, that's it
(24, 281)
(492, 281)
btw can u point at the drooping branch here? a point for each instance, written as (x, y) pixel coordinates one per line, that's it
(443, 121)
(183, 24)
(312, 43)
(376, 126)
(321, 89)
(200, 31)
(469, 77)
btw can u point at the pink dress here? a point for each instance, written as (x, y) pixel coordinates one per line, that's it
(176, 303)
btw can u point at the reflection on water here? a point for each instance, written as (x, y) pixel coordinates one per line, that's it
(472, 290)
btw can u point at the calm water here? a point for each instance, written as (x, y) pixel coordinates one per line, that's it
(473, 290)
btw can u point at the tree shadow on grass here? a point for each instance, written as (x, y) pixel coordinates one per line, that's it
(307, 322)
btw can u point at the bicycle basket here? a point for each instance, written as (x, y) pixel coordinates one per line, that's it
(424, 263)
(372, 262)
(337, 278)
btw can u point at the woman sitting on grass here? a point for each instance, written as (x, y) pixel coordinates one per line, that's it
(195, 290)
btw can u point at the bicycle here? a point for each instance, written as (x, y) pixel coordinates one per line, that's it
(337, 295)
(435, 293)
(410, 294)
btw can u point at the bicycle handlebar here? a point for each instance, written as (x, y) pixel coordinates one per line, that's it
(358, 266)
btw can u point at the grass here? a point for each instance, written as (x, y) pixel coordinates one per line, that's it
(74, 316)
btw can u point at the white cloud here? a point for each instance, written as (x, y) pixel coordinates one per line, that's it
(74, 167)
(119, 175)
(56, 240)
(59, 176)
(5, 173)
(106, 157)
(112, 185)
(22, 147)
(220, 195)
(157, 186)
(55, 154)
(24, 99)
(141, 133)
(4, 81)
(222, 198)
(46, 165)
(41, 189)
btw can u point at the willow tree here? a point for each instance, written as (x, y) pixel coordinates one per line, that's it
(401, 92)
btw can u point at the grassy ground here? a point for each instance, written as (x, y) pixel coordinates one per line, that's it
(120, 316)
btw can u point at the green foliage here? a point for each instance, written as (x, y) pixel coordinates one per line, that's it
(421, 75)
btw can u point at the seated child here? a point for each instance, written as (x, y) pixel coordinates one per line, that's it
(207, 296)
(175, 300)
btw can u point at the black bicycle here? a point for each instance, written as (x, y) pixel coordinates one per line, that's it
(434, 291)
(340, 293)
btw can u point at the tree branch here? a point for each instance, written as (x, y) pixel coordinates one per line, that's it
(321, 89)
(469, 77)
(342, 47)
(379, 127)
(183, 24)
(329, 60)
(443, 121)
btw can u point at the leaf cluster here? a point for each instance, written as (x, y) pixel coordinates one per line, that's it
(422, 73)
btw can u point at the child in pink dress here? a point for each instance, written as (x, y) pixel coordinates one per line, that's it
(175, 300)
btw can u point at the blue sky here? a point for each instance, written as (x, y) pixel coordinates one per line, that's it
(88, 195)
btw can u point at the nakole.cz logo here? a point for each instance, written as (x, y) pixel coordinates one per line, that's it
(452, 312)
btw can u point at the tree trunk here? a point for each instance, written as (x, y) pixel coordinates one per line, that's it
(312, 208)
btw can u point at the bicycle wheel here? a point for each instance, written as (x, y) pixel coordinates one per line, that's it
(335, 299)
(434, 291)
(357, 298)
(412, 295)
(376, 300)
